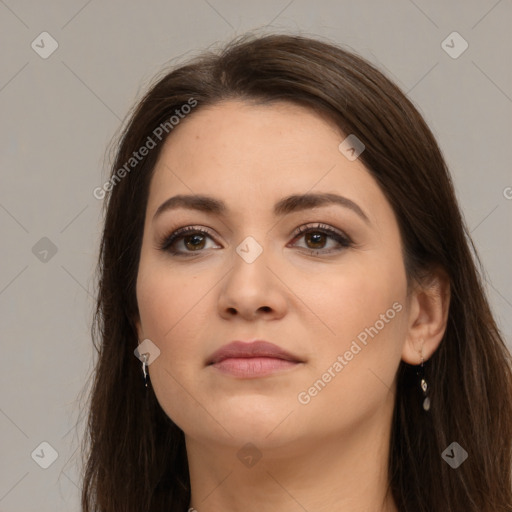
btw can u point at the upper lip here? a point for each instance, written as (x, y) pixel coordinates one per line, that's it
(257, 348)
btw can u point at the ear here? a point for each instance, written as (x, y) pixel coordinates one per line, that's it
(428, 315)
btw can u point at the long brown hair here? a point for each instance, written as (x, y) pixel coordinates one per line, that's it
(135, 455)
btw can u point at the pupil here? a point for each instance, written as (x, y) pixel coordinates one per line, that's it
(317, 236)
(196, 243)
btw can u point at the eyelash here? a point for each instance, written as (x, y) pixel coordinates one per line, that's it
(167, 242)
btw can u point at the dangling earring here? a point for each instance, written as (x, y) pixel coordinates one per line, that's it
(423, 384)
(145, 358)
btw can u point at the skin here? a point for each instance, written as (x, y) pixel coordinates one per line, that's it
(328, 454)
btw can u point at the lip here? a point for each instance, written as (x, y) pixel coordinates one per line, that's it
(257, 348)
(252, 359)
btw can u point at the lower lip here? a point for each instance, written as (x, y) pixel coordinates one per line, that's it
(253, 366)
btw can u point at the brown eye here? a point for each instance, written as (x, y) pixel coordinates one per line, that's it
(317, 237)
(194, 242)
(186, 240)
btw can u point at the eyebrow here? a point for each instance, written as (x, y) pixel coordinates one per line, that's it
(289, 204)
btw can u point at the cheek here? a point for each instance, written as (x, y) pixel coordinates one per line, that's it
(172, 313)
(168, 300)
(355, 368)
(353, 297)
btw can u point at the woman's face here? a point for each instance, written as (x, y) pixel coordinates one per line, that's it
(336, 303)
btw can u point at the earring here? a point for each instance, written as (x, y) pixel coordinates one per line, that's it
(423, 384)
(145, 358)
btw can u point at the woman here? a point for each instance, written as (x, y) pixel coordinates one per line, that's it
(284, 254)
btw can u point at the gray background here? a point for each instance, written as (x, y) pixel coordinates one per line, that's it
(59, 115)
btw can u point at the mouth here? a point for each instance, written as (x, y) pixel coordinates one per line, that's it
(254, 359)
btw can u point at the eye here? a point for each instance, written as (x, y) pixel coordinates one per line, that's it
(318, 235)
(191, 237)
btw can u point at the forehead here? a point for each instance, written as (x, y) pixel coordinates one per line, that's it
(246, 152)
(241, 128)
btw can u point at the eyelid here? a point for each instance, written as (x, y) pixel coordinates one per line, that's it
(320, 226)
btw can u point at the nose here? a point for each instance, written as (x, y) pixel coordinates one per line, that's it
(252, 290)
